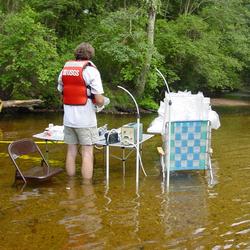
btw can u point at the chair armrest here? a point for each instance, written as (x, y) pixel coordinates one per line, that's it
(160, 151)
(210, 151)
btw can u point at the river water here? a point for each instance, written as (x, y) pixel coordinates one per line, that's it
(64, 214)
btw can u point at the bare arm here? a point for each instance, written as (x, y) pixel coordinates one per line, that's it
(99, 100)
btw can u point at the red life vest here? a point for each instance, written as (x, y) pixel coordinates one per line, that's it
(74, 86)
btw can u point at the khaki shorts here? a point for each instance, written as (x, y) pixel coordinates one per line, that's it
(82, 136)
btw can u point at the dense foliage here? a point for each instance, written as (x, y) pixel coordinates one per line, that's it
(198, 45)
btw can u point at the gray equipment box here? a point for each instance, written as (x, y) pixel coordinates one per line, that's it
(129, 133)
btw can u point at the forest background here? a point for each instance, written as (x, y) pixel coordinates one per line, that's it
(198, 46)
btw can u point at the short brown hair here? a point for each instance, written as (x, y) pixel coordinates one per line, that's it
(84, 51)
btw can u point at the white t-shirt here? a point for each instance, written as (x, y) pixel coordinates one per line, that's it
(83, 116)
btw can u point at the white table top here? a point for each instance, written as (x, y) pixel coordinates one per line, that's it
(45, 136)
(102, 142)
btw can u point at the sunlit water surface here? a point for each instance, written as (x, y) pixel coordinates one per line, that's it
(64, 214)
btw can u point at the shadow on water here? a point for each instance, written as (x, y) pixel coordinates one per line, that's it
(64, 214)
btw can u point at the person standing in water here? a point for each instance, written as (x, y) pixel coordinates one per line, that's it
(82, 91)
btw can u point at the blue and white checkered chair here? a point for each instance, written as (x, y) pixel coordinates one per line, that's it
(189, 147)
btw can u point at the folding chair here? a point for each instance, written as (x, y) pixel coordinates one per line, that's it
(189, 147)
(35, 173)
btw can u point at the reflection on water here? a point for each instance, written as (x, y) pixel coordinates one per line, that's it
(81, 220)
(184, 209)
(64, 214)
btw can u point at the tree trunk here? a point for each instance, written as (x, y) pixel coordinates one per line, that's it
(141, 81)
(187, 7)
(19, 103)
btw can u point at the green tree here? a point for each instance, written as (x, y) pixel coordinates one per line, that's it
(120, 42)
(198, 45)
(121, 46)
(152, 6)
(27, 57)
(69, 18)
(231, 20)
(9, 6)
(200, 56)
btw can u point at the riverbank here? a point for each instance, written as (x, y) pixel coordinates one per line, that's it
(215, 102)
(229, 102)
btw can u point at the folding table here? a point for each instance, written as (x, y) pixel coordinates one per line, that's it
(124, 156)
(102, 142)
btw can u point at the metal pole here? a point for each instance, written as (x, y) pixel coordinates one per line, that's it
(137, 152)
(123, 161)
(169, 146)
(167, 154)
(46, 150)
(137, 137)
(107, 164)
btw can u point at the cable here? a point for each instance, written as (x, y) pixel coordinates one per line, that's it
(99, 148)
(139, 158)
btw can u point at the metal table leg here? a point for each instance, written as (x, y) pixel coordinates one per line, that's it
(107, 164)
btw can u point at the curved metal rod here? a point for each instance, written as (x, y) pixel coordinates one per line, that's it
(138, 113)
(167, 156)
(137, 138)
(164, 79)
